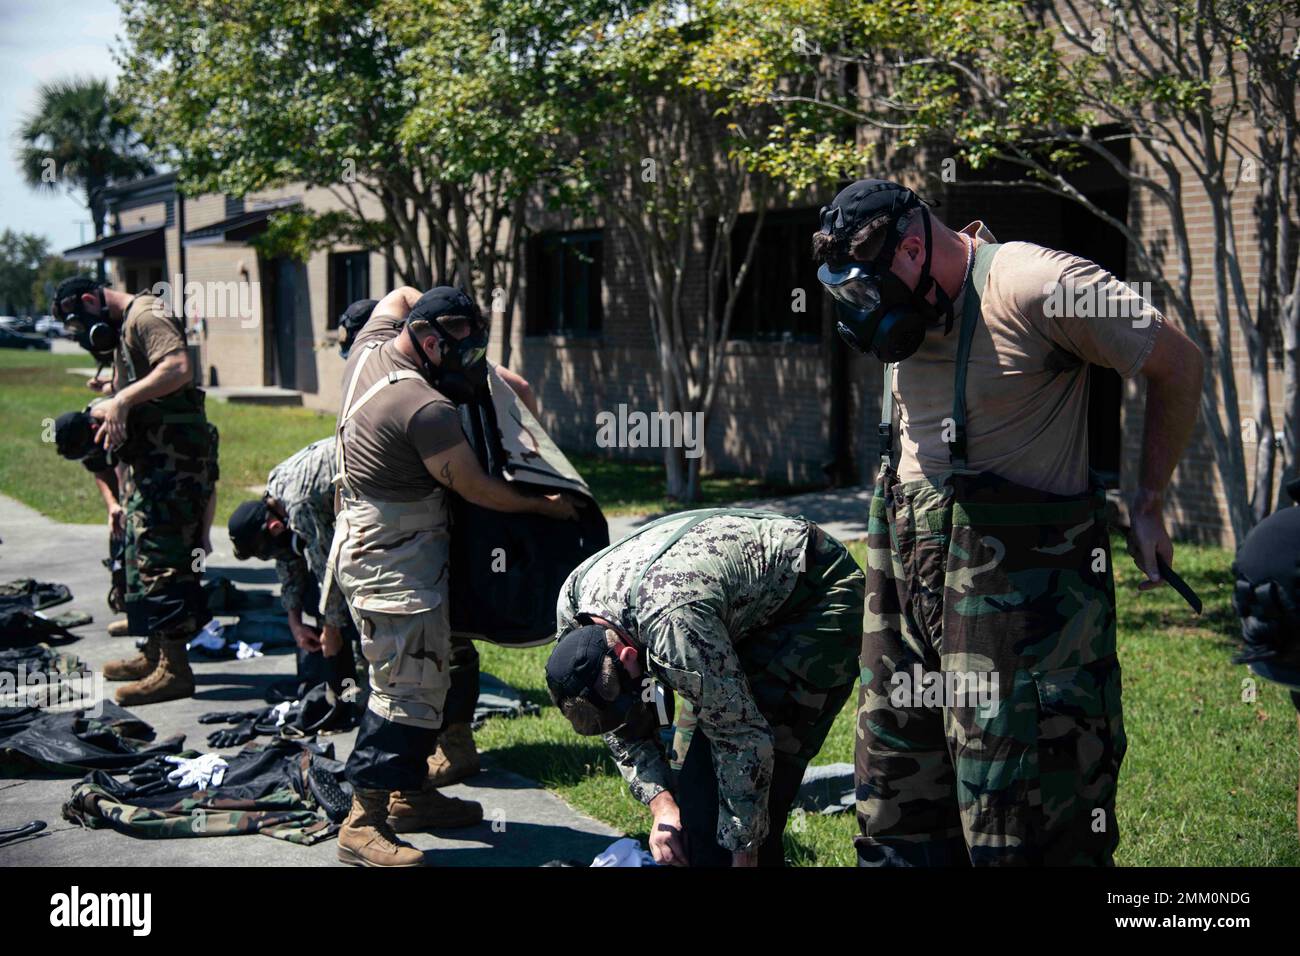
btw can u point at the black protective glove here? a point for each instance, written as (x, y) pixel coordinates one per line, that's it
(231, 716)
(233, 736)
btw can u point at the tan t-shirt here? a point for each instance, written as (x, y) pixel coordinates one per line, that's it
(1044, 316)
(386, 442)
(149, 334)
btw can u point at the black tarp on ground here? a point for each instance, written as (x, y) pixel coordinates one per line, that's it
(21, 625)
(72, 742)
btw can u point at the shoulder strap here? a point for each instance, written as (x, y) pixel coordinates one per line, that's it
(886, 427)
(969, 319)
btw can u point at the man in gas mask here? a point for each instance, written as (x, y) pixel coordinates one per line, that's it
(357, 316)
(988, 554)
(172, 474)
(399, 448)
(751, 622)
(456, 756)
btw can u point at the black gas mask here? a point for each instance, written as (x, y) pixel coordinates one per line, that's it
(462, 373)
(95, 332)
(878, 313)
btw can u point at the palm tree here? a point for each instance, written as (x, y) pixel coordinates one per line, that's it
(79, 125)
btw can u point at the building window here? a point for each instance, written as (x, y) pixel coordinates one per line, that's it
(781, 299)
(564, 284)
(349, 281)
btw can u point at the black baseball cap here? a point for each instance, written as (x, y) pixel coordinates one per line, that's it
(442, 302)
(353, 320)
(74, 435)
(861, 203)
(247, 527)
(575, 663)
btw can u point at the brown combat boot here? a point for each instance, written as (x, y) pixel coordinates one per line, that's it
(366, 839)
(413, 811)
(172, 679)
(134, 668)
(456, 757)
(120, 628)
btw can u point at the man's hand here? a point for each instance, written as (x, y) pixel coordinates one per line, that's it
(99, 385)
(744, 858)
(305, 636)
(667, 835)
(331, 641)
(116, 519)
(111, 413)
(561, 507)
(1147, 537)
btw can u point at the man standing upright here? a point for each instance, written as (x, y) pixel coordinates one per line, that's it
(989, 724)
(171, 477)
(400, 447)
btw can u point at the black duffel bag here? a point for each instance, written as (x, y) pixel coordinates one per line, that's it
(507, 569)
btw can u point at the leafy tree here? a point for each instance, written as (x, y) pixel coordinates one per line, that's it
(20, 258)
(677, 179)
(495, 84)
(1205, 92)
(52, 270)
(78, 137)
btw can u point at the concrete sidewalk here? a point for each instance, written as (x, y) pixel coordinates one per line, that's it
(525, 825)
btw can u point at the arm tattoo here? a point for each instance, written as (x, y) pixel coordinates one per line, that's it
(446, 474)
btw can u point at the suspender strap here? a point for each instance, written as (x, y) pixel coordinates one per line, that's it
(350, 408)
(969, 319)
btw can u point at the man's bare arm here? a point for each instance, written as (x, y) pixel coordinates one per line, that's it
(170, 374)
(398, 303)
(1174, 371)
(519, 385)
(458, 470)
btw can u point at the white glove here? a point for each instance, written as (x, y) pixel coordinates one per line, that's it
(202, 772)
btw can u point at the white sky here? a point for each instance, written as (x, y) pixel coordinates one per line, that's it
(43, 40)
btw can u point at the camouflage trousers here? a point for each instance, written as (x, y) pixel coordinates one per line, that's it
(170, 481)
(800, 670)
(989, 725)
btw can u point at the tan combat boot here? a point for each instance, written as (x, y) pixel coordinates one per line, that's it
(456, 757)
(171, 680)
(120, 628)
(413, 811)
(366, 839)
(134, 668)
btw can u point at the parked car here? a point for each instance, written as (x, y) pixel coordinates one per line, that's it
(11, 339)
(17, 324)
(50, 327)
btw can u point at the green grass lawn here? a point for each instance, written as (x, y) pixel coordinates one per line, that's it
(1208, 780)
(35, 387)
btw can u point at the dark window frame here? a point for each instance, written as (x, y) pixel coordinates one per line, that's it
(782, 262)
(341, 291)
(565, 295)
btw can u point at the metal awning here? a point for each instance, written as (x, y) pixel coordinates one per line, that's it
(142, 242)
(237, 228)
